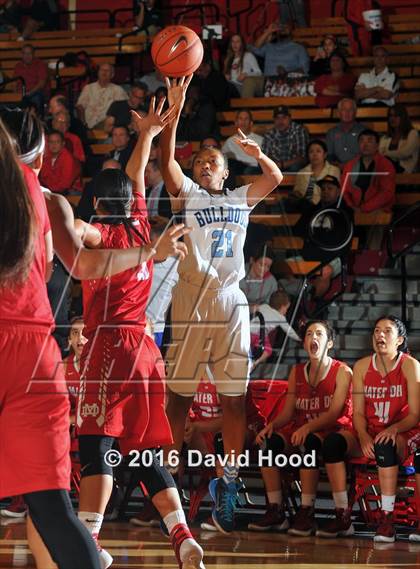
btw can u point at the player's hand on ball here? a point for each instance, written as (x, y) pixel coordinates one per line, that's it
(155, 121)
(248, 145)
(265, 433)
(169, 245)
(177, 90)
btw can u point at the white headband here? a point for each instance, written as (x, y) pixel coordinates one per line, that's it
(30, 156)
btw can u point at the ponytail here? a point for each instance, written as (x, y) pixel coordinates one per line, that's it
(17, 217)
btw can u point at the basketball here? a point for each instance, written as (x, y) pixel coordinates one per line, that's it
(177, 51)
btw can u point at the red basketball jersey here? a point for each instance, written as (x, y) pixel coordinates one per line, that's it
(313, 401)
(72, 379)
(121, 298)
(27, 303)
(206, 404)
(385, 397)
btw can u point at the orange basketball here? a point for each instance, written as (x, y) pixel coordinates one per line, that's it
(177, 51)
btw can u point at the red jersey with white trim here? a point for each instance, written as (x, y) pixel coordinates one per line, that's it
(121, 298)
(311, 402)
(27, 303)
(386, 400)
(206, 403)
(72, 379)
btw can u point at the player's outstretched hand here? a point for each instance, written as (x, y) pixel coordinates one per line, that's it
(169, 245)
(265, 433)
(248, 145)
(177, 90)
(155, 121)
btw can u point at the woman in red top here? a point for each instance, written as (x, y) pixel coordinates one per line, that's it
(317, 403)
(386, 399)
(122, 392)
(336, 85)
(34, 406)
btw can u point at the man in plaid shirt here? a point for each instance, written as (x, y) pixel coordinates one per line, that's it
(286, 143)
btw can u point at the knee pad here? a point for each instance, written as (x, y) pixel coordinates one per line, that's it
(312, 444)
(334, 448)
(154, 476)
(386, 454)
(416, 461)
(218, 444)
(92, 450)
(275, 444)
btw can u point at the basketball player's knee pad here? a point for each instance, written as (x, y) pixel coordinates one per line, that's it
(416, 461)
(153, 474)
(313, 444)
(334, 448)
(386, 454)
(92, 451)
(218, 444)
(275, 444)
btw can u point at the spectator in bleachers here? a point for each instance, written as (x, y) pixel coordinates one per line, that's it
(85, 209)
(153, 81)
(241, 68)
(286, 142)
(10, 16)
(198, 118)
(213, 84)
(119, 112)
(259, 284)
(148, 18)
(306, 191)
(43, 14)
(401, 143)
(380, 86)
(369, 179)
(35, 74)
(96, 98)
(330, 191)
(61, 122)
(59, 103)
(157, 198)
(60, 172)
(239, 162)
(288, 85)
(210, 142)
(336, 84)
(342, 140)
(123, 146)
(277, 48)
(274, 316)
(320, 64)
(292, 11)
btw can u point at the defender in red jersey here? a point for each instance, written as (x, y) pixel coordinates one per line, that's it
(34, 406)
(317, 403)
(386, 399)
(122, 392)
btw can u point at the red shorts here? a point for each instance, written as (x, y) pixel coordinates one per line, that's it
(34, 413)
(122, 389)
(411, 438)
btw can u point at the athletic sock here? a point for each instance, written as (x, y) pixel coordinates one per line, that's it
(178, 529)
(308, 500)
(173, 519)
(341, 500)
(92, 521)
(388, 503)
(230, 473)
(275, 497)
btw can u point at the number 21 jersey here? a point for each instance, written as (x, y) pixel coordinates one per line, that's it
(215, 245)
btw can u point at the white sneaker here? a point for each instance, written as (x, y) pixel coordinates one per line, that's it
(105, 558)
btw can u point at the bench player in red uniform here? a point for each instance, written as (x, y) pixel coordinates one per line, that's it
(122, 390)
(317, 403)
(386, 401)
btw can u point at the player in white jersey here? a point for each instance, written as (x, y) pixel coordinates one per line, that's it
(210, 316)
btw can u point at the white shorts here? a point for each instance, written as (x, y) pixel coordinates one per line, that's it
(209, 328)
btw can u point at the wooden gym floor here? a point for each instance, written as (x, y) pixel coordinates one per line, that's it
(148, 548)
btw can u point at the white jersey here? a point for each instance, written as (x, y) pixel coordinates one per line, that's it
(215, 245)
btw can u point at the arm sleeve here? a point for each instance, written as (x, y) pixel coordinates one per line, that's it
(362, 80)
(178, 202)
(84, 97)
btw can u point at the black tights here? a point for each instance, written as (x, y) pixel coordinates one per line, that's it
(68, 541)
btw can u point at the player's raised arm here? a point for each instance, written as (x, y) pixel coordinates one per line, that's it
(171, 170)
(149, 127)
(271, 175)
